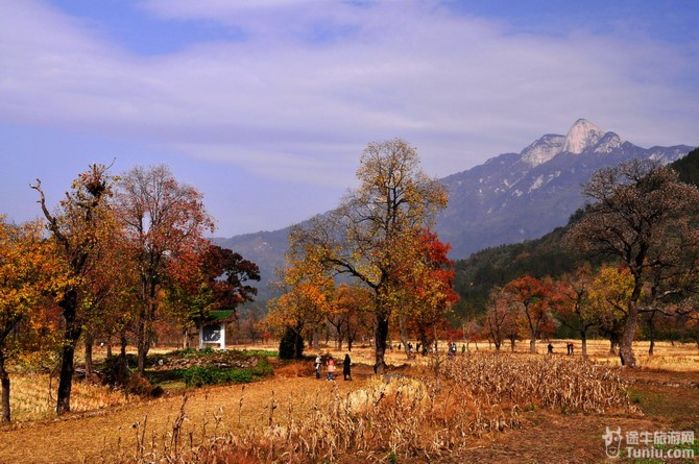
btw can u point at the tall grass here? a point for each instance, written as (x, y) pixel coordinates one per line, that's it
(434, 412)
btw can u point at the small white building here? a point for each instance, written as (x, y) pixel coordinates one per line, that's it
(212, 332)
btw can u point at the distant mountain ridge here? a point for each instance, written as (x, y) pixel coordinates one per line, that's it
(519, 196)
(543, 256)
(509, 198)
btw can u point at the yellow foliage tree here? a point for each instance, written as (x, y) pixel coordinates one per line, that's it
(30, 270)
(608, 294)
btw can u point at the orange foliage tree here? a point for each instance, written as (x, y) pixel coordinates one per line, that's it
(30, 270)
(349, 313)
(572, 303)
(502, 319)
(305, 302)
(366, 237)
(534, 297)
(78, 231)
(425, 280)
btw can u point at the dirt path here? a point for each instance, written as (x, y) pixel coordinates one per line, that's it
(84, 437)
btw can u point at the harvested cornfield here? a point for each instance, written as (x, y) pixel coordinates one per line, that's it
(421, 415)
(561, 383)
(33, 397)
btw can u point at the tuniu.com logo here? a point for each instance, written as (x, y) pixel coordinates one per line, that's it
(612, 442)
(649, 445)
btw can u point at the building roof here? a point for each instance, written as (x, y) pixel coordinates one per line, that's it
(222, 315)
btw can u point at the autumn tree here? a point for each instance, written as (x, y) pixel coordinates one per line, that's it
(103, 285)
(369, 234)
(214, 279)
(534, 298)
(607, 297)
(78, 230)
(572, 304)
(304, 304)
(473, 331)
(30, 272)
(348, 312)
(165, 222)
(641, 216)
(502, 318)
(425, 293)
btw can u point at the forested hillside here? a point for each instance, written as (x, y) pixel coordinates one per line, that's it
(547, 255)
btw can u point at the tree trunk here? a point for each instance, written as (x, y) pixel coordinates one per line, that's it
(613, 344)
(583, 338)
(497, 345)
(142, 344)
(626, 346)
(298, 344)
(70, 339)
(424, 341)
(651, 333)
(89, 344)
(123, 369)
(380, 336)
(109, 346)
(512, 344)
(403, 335)
(146, 317)
(532, 345)
(5, 384)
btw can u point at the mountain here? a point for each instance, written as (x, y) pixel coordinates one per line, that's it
(519, 196)
(510, 198)
(480, 272)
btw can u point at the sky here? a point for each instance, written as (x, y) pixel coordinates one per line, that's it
(266, 105)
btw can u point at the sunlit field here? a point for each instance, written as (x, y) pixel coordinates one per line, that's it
(408, 414)
(33, 397)
(667, 356)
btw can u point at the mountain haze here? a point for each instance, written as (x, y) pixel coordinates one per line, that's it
(509, 198)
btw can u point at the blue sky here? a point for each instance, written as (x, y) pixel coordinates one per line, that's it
(266, 105)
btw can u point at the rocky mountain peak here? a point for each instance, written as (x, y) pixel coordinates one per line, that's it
(543, 149)
(581, 136)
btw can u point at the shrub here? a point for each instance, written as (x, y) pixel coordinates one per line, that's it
(139, 385)
(291, 345)
(198, 376)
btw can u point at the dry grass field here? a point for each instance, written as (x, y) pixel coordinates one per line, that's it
(681, 357)
(482, 408)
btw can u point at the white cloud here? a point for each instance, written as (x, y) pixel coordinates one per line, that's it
(285, 103)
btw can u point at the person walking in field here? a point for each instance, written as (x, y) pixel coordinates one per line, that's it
(347, 367)
(318, 363)
(331, 369)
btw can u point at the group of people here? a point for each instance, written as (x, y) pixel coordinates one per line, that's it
(424, 350)
(330, 367)
(570, 348)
